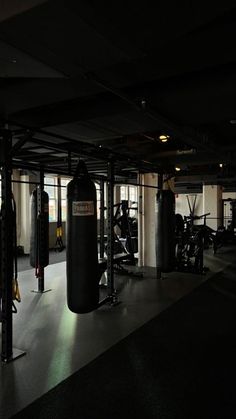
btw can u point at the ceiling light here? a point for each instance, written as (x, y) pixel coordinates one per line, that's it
(143, 103)
(177, 169)
(221, 164)
(164, 138)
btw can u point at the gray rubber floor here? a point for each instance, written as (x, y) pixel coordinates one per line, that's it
(54, 257)
(179, 365)
(58, 342)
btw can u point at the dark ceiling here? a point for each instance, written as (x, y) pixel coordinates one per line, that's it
(103, 80)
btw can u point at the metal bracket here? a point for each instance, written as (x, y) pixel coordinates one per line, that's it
(16, 353)
(110, 299)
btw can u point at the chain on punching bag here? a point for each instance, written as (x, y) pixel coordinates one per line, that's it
(39, 239)
(82, 254)
(165, 230)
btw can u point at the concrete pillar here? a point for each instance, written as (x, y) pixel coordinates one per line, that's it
(147, 220)
(169, 184)
(116, 194)
(140, 221)
(212, 202)
(25, 214)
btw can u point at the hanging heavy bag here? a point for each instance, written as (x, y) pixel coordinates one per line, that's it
(82, 254)
(39, 239)
(165, 231)
(59, 245)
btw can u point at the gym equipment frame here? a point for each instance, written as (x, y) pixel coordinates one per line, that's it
(8, 352)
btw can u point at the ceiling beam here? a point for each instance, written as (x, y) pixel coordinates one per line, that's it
(91, 150)
(12, 8)
(113, 101)
(186, 134)
(203, 178)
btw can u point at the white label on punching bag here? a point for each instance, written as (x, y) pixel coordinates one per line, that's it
(82, 208)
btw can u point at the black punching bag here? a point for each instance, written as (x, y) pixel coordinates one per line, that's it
(165, 231)
(39, 238)
(82, 253)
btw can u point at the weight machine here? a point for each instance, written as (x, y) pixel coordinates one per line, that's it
(191, 240)
(126, 241)
(124, 244)
(229, 214)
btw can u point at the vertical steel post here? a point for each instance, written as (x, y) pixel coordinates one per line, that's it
(159, 186)
(40, 211)
(102, 207)
(160, 181)
(110, 228)
(7, 222)
(111, 292)
(7, 251)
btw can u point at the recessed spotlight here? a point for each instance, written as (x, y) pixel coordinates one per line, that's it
(221, 164)
(177, 169)
(143, 103)
(164, 138)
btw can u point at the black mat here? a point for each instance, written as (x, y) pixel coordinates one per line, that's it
(181, 364)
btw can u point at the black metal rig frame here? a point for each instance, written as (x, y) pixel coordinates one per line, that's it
(111, 297)
(8, 353)
(15, 154)
(102, 209)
